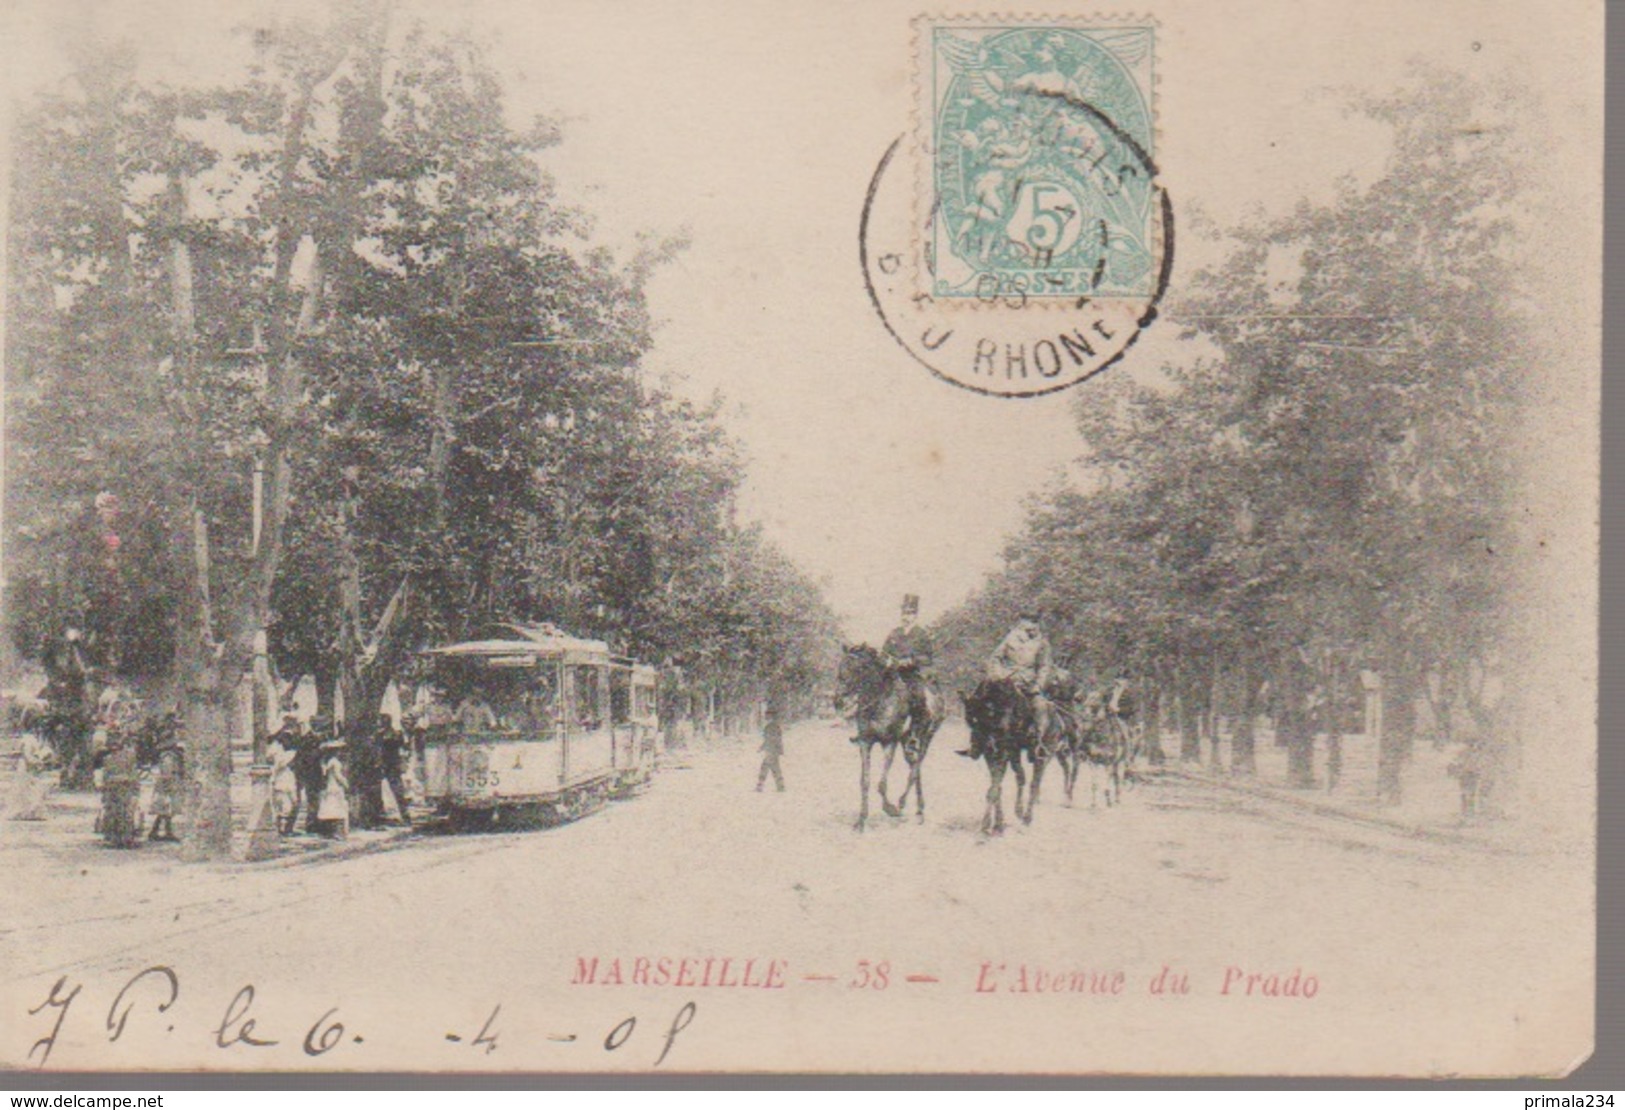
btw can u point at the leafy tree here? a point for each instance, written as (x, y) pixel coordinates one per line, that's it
(1334, 484)
(348, 275)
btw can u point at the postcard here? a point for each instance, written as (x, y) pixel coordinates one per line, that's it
(721, 537)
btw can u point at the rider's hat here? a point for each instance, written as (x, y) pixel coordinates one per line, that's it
(1030, 615)
(911, 603)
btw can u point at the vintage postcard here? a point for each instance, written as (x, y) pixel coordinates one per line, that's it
(800, 537)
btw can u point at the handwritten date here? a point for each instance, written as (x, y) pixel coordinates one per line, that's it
(157, 989)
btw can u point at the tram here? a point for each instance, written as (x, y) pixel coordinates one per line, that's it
(535, 719)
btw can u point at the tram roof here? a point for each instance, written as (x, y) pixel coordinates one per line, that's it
(543, 641)
(539, 641)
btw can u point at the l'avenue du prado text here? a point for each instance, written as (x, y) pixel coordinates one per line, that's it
(989, 977)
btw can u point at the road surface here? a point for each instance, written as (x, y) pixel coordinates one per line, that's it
(703, 925)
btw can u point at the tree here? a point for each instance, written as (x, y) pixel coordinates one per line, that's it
(349, 275)
(1332, 483)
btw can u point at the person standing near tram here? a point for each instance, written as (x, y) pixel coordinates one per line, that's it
(121, 795)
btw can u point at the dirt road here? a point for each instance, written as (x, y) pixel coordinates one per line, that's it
(1305, 943)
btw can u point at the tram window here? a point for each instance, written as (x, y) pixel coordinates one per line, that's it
(643, 702)
(586, 702)
(476, 697)
(542, 709)
(620, 697)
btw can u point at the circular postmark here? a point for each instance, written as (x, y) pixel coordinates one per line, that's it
(1031, 256)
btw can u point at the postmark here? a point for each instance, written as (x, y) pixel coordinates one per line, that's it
(1033, 240)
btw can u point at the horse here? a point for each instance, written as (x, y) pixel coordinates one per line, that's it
(1101, 743)
(1003, 728)
(875, 695)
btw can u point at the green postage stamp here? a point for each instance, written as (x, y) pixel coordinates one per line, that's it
(1038, 167)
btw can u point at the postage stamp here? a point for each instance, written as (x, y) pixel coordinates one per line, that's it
(1033, 241)
(1039, 145)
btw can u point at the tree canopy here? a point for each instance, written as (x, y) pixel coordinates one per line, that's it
(1329, 475)
(350, 274)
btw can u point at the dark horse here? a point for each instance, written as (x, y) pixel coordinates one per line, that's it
(872, 692)
(1002, 728)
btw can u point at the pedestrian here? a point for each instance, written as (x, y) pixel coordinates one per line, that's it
(307, 766)
(333, 813)
(474, 715)
(392, 756)
(166, 789)
(281, 748)
(33, 786)
(121, 793)
(772, 748)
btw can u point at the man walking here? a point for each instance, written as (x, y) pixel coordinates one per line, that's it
(391, 763)
(307, 766)
(772, 747)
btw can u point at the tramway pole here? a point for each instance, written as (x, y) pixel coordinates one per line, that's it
(264, 840)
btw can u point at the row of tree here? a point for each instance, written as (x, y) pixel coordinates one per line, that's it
(1327, 484)
(357, 380)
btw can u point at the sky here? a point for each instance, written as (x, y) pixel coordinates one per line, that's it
(754, 128)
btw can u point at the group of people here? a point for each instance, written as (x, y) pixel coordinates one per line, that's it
(338, 776)
(119, 773)
(128, 746)
(1025, 660)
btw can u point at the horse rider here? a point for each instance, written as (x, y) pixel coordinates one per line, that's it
(1063, 692)
(1120, 702)
(1119, 706)
(909, 652)
(1023, 658)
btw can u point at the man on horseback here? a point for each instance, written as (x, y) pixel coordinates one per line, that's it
(909, 652)
(1023, 659)
(1120, 701)
(1119, 708)
(889, 696)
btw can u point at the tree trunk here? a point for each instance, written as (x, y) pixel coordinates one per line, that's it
(326, 678)
(1210, 713)
(1300, 751)
(1153, 725)
(1243, 753)
(1293, 729)
(1400, 689)
(208, 670)
(207, 682)
(1190, 715)
(360, 134)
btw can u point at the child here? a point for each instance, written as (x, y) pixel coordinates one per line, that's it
(166, 787)
(284, 785)
(334, 812)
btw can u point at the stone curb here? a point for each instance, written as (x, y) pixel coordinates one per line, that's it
(1323, 809)
(336, 850)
